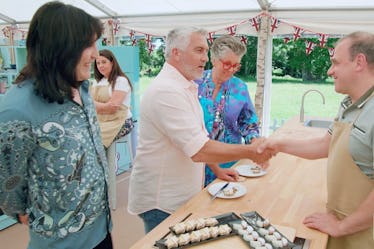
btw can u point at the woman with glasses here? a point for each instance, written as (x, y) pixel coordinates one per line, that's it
(229, 114)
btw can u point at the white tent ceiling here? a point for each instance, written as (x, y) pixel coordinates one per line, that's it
(156, 17)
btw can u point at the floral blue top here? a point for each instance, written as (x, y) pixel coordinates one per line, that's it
(231, 117)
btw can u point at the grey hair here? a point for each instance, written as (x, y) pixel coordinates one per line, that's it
(180, 38)
(227, 43)
(361, 42)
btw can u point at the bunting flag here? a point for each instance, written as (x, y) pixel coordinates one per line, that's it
(255, 22)
(104, 41)
(309, 46)
(23, 33)
(286, 39)
(151, 48)
(243, 39)
(132, 34)
(274, 24)
(116, 23)
(6, 31)
(297, 33)
(210, 37)
(322, 40)
(148, 40)
(331, 51)
(232, 30)
(134, 42)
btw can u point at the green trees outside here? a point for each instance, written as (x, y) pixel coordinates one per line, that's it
(289, 59)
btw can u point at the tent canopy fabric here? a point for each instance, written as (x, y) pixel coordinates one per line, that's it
(240, 17)
(157, 17)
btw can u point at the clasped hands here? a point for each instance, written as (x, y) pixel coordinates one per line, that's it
(263, 150)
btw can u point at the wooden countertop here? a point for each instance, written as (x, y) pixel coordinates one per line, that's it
(292, 189)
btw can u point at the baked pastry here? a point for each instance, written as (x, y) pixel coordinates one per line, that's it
(171, 242)
(271, 230)
(244, 224)
(214, 232)
(209, 222)
(200, 223)
(190, 225)
(179, 228)
(250, 229)
(224, 229)
(195, 236)
(184, 239)
(205, 233)
(230, 191)
(256, 170)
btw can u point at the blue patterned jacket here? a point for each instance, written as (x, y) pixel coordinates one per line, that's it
(53, 167)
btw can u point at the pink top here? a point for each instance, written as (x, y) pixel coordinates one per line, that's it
(171, 131)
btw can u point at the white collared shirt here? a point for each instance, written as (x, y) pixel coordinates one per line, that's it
(171, 131)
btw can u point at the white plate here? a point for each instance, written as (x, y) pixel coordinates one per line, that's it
(241, 190)
(246, 170)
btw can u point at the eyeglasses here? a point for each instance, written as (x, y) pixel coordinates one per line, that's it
(227, 65)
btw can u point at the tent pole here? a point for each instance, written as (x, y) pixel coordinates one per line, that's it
(264, 61)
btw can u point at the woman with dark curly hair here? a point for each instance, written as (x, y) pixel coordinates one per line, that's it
(53, 168)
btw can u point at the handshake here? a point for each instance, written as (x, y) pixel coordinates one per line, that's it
(261, 150)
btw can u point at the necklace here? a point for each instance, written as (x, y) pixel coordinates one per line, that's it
(218, 107)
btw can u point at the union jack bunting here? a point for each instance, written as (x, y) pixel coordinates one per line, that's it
(210, 37)
(322, 40)
(274, 23)
(148, 40)
(231, 30)
(255, 22)
(331, 51)
(132, 33)
(243, 39)
(297, 33)
(309, 46)
(134, 42)
(116, 26)
(151, 48)
(286, 39)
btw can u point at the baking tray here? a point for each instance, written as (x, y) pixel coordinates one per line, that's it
(255, 219)
(222, 219)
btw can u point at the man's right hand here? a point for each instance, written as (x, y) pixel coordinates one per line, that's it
(261, 157)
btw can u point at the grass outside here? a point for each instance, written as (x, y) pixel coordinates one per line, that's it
(286, 97)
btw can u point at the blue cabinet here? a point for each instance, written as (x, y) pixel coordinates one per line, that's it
(9, 71)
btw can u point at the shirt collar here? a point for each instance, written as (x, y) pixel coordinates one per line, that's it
(179, 77)
(360, 103)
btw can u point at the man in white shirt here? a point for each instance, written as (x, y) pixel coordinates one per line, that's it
(173, 142)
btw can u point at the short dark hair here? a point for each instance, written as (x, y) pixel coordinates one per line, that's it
(116, 69)
(57, 36)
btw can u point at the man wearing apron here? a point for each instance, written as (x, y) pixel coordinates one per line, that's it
(348, 146)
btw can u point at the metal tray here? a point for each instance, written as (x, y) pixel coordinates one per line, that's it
(252, 217)
(222, 219)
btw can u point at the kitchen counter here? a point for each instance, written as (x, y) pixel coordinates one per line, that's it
(292, 189)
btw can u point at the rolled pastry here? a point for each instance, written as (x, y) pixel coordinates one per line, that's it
(171, 242)
(190, 225)
(224, 229)
(184, 239)
(205, 233)
(209, 222)
(214, 232)
(195, 236)
(200, 223)
(179, 228)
